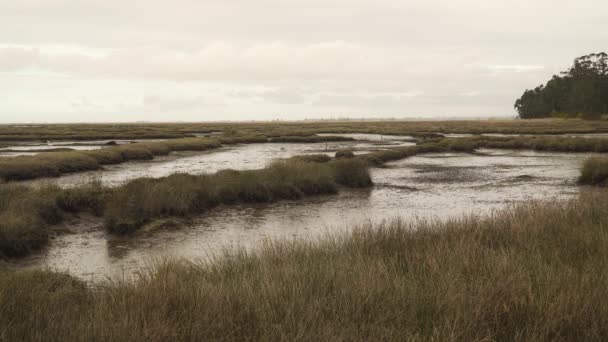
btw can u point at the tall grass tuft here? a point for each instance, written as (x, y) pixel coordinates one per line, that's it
(595, 171)
(26, 214)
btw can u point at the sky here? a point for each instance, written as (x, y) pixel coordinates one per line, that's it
(216, 60)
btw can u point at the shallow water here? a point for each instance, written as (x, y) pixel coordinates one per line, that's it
(371, 137)
(431, 187)
(241, 157)
(32, 148)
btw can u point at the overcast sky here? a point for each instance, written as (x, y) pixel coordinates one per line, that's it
(200, 60)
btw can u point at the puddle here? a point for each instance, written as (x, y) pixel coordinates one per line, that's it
(431, 187)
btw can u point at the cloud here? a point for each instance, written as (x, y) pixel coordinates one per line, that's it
(333, 60)
(472, 93)
(515, 67)
(230, 57)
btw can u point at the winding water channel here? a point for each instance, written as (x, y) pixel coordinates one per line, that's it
(425, 187)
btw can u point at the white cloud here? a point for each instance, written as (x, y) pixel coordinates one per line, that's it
(472, 93)
(336, 60)
(85, 59)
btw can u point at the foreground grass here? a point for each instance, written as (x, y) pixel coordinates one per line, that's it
(536, 272)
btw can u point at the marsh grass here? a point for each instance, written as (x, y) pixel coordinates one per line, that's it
(546, 143)
(27, 214)
(594, 171)
(53, 164)
(378, 158)
(535, 272)
(316, 158)
(344, 154)
(129, 207)
(137, 202)
(418, 129)
(309, 139)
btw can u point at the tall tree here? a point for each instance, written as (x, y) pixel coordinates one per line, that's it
(580, 91)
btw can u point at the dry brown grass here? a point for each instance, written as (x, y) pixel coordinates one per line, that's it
(302, 128)
(536, 272)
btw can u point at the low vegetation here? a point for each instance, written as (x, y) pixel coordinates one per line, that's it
(595, 171)
(135, 203)
(264, 130)
(27, 215)
(441, 145)
(316, 158)
(533, 273)
(544, 143)
(54, 164)
(309, 139)
(344, 154)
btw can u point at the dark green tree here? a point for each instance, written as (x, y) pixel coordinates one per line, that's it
(582, 91)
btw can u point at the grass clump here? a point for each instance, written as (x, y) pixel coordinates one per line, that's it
(544, 143)
(531, 273)
(345, 154)
(313, 158)
(137, 202)
(351, 173)
(27, 214)
(24, 218)
(309, 139)
(594, 171)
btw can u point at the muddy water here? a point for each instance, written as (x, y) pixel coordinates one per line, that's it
(241, 157)
(434, 186)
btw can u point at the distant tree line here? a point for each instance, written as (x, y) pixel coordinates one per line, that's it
(581, 91)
